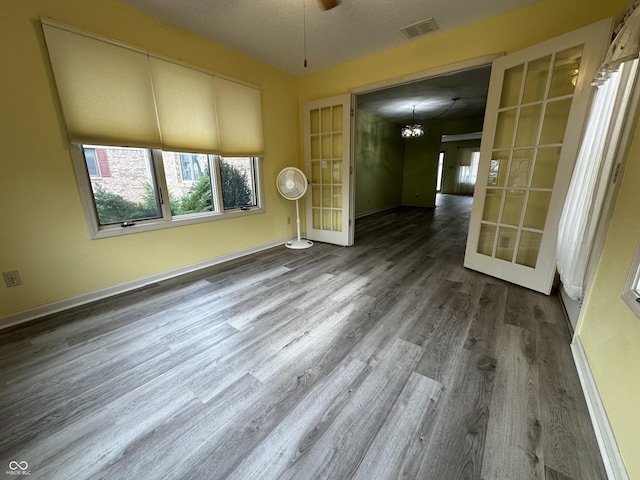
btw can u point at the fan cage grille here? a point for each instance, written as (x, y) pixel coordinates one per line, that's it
(292, 183)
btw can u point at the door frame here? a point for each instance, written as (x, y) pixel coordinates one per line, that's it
(452, 68)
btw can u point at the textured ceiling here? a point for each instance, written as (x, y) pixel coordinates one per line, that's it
(433, 98)
(273, 30)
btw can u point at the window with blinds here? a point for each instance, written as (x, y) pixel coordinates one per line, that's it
(143, 113)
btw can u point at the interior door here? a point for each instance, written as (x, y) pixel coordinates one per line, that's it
(327, 154)
(536, 107)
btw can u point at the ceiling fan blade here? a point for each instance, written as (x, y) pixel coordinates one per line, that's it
(329, 4)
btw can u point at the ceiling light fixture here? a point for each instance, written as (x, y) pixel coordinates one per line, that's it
(413, 130)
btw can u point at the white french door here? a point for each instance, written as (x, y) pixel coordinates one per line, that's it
(327, 159)
(536, 107)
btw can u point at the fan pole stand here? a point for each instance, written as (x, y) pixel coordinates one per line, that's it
(298, 244)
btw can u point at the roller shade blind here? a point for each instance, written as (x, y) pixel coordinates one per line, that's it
(105, 90)
(114, 94)
(239, 117)
(186, 107)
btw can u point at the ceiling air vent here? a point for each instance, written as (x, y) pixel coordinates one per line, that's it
(420, 28)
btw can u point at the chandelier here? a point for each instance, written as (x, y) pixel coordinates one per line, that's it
(413, 130)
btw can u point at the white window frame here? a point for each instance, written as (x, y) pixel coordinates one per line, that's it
(631, 292)
(167, 220)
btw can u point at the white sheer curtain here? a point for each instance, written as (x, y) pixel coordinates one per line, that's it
(591, 175)
(467, 170)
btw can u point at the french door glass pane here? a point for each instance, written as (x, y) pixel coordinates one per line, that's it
(326, 168)
(535, 85)
(504, 129)
(506, 243)
(498, 168)
(492, 204)
(528, 125)
(529, 248)
(487, 238)
(513, 202)
(511, 86)
(544, 172)
(534, 109)
(520, 167)
(537, 208)
(555, 122)
(565, 72)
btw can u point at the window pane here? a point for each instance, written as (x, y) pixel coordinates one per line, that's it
(90, 160)
(238, 182)
(129, 192)
(189, 182)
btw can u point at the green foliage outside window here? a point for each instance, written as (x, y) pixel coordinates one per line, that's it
(113, 208)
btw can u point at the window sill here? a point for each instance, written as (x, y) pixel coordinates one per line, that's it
(159, 224)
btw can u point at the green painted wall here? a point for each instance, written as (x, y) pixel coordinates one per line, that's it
(421, 160)
(420, 169)
(379, 163)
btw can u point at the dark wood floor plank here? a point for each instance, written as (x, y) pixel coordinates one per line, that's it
(526, 308)
(441, 330)
(488, 320)
(339, 451)
(456, 442)
(383, 360)
(165, 451)
(568, 437)
(291, 437)
(403, 431)
(513, 448)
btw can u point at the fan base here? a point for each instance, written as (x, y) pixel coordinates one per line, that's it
(299, 244)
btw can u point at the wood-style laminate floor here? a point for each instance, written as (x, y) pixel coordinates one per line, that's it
(384, 360)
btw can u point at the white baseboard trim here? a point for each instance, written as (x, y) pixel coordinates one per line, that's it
(379, 210)
(67, 303)
(611, 458)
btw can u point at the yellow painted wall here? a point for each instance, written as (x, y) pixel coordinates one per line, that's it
(502, 33)
(43, 231)
(609, 330)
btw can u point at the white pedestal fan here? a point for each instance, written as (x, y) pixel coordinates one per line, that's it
(292, 185)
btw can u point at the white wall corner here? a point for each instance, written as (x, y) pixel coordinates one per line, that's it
(611, 457)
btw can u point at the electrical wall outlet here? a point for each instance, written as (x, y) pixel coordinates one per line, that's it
(12, 278)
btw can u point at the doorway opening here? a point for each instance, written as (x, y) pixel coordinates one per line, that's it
(392, 171)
